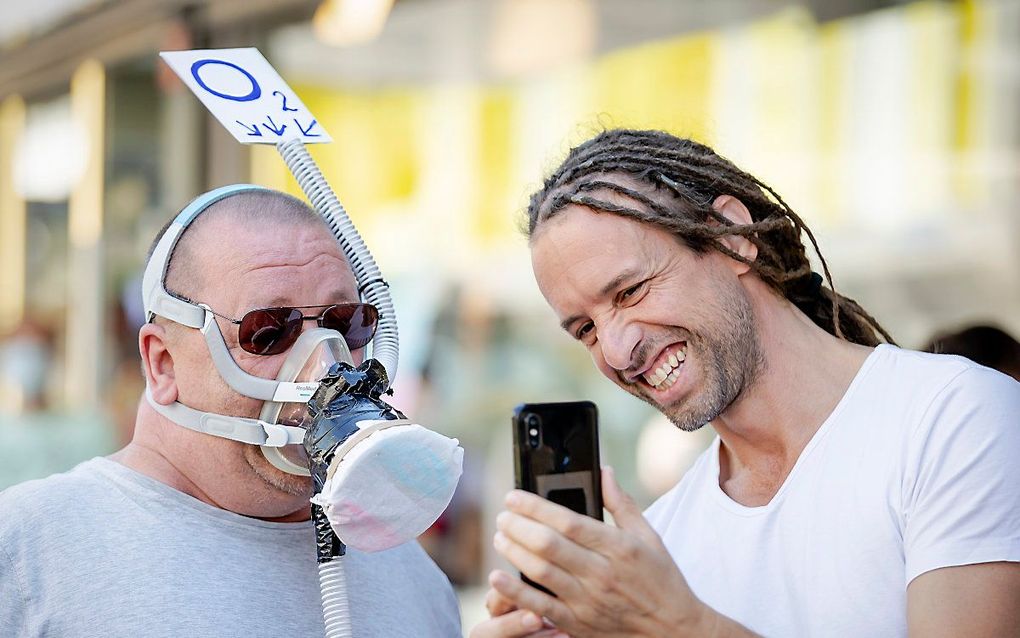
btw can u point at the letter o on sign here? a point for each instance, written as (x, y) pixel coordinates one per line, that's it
(254, 94)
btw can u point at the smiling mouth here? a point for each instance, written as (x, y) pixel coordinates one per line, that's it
(667, 372)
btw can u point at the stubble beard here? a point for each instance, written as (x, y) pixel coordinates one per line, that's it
(732, 361)
(285, 482)
(227, 401)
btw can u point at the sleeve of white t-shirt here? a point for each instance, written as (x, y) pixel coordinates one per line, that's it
(961, 486)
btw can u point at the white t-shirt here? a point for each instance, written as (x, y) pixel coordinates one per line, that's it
(104, 551)
(918, 467)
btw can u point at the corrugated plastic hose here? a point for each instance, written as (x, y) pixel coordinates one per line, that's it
(385, 345)
(335, 611)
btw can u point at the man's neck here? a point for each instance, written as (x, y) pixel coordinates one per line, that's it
(145, 458)
(144, 454)
(763, 433)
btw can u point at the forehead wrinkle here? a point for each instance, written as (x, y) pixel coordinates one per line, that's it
(344, 290)
(337, 293)
(286, 263)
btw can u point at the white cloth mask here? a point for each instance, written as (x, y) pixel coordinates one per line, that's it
(388, 483)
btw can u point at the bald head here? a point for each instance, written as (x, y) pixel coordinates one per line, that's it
(194, 254)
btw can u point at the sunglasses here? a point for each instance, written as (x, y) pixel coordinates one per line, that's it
(269, 331)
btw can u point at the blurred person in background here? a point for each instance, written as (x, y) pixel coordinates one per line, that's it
(182, 533)
(26, 362)
(986, 345)
(38, 436)
(855, 489)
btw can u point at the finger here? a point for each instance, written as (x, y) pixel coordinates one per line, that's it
(512, 625)
(548, 632)
(546, 542)
(535, 567)
(527, 597)
(625, 511)
(582, 530)
(496, 604)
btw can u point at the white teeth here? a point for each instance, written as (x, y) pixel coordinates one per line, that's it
(669, 380)
(667, 374)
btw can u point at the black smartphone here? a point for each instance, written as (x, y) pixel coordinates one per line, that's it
(556, 455)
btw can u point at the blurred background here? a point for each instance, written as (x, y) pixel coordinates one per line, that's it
(891, 127)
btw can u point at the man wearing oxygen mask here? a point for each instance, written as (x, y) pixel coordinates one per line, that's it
(200, 526)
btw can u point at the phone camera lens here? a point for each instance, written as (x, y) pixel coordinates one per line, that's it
(533, 423)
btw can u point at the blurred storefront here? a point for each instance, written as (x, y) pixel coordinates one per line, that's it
(890, 127)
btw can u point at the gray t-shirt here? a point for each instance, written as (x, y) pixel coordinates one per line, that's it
(105, 551)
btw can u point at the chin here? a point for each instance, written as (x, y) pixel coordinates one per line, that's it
(290, 484)
(689, 414)
(685, 420)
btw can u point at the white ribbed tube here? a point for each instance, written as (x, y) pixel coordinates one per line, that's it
(335, 610)
(385, 344)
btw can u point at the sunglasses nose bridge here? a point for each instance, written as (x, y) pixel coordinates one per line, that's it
(321, 319)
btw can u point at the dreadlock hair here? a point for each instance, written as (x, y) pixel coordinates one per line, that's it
(694, 176)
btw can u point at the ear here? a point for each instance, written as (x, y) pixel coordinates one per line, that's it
(734, 210)
(158, 363)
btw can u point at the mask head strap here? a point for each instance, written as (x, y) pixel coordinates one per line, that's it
(156, 300)
(160, 302)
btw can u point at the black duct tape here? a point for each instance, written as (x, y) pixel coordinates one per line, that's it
(345, 396)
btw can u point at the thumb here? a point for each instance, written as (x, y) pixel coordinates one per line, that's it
(625, 511)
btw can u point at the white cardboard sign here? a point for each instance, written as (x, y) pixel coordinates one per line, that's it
(246, 95)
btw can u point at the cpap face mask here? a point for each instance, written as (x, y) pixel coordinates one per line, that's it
(379, 479)
(314, 353)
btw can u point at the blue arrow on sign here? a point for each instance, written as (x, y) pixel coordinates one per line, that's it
(304, 131)
(252, 130)
(272, 126)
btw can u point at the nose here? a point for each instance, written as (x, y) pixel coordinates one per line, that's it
(619, 340)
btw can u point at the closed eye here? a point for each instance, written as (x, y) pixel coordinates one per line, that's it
(585, 332)
(631, 292)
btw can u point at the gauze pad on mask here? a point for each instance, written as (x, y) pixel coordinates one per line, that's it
(391, 486)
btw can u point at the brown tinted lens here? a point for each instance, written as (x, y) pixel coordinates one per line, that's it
(356, 322)
(270, 330)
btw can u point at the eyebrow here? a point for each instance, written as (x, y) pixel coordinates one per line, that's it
(612, 285)
(280, 301)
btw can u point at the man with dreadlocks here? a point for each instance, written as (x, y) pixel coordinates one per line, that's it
(855, 489)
